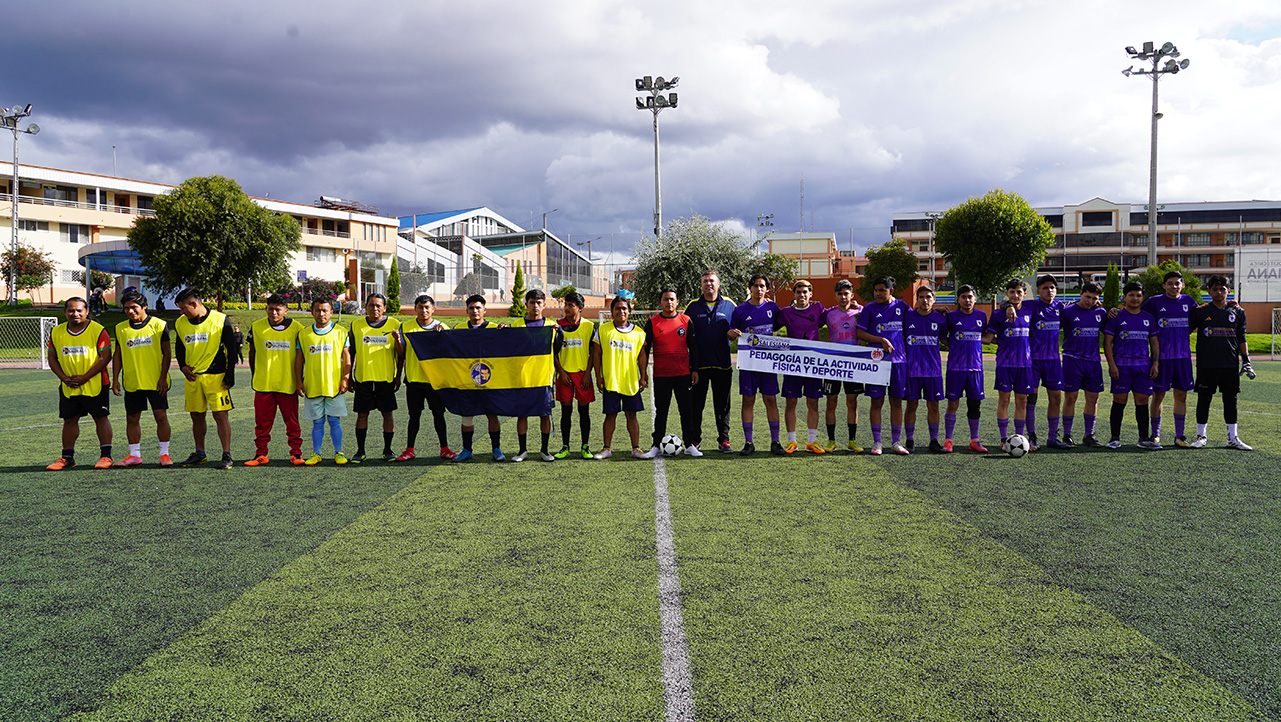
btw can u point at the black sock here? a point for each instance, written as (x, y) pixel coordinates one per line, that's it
(523, 438)
(467, 437)
(495, 438)
(853, 430)
(584, 422)
(1141, 418)
(105, 449)
(566, 423)
(412, 431)
(441, 433)
(69, 455)
(831, 432)
(360, 439)
(387, 437)
(546, 439)
(1118, 416)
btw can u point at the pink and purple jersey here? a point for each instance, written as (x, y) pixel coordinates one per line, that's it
(842, 326)
(1044, 335)
(755, 319)
(965, 340)
(1172, 324)
(1013, 346)
(1130, 333)
(886, 320)
(802, 323)
(1081, 330)
(921, 336)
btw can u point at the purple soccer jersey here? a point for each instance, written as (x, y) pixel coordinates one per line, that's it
(1044, 335)
(1130, 333)
(886, 320)
(1172, 327)
(921, 336)
(842, 326)
(754, 319)
(1081, 330)
(1013, 347)
(965, 340)
(802, 323)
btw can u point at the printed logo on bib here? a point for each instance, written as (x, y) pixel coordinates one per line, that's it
(374, 340)
(622, 345)
(573, 343)
(195, 338)
(316, 348)
(142, 341)
(277, 345)
(75, 350)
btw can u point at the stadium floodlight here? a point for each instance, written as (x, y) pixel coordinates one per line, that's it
(656, 102)
(9, 119)
(1150, 53)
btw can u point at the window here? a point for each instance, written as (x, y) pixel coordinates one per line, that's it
(1198, 239)
(1096, 218)
(922, 265)
(1274, 238)
(25, 225)
(72, 233)
(488, 277)
(1197, 259)
(144, 203)
(323, 255)
(94, 196)
(1229, 239)
(1253, 237)
(76, 277)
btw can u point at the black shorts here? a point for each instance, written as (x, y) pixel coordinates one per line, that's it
(374, 395)
(416, 393)
(73, 407)
(137, 402)
(1225, 380)
(832, 387)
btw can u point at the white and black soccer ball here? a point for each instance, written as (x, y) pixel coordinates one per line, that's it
(671, 445)
(1017, 445)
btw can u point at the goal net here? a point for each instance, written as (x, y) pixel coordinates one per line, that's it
(1276, 333)
(23, 340)
(638, 316)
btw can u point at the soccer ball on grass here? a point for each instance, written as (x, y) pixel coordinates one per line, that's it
(671, 445)
(1016, 445)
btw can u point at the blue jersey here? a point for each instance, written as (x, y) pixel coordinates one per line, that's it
(1081, 330)
(1172, 324)
(1130, 333)
(886, 320)
(921, 336)
(755, 319)
(1013, 338)
(965, 340)
(1044, 338)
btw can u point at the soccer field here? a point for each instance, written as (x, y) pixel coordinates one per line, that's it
(1090, 584)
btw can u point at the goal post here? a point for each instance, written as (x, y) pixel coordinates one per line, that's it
(23, 340)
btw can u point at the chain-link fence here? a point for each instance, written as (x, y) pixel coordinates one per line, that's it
(23, 340)
(1276, 332)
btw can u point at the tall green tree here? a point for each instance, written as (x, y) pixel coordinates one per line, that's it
(517, 309)
(208, 234)
(991, 239)
(31, 267)
(1112, 287)
(393, 288)
(689, 247)
(1153, 285)
(888, 259)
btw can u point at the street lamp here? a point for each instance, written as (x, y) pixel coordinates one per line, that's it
(656, 103)
(1154, 54)
(934, 218)
(9, 119)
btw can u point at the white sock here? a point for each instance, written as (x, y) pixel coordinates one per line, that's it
(135, 449)
(791, 437)
(164, 448)
(1201, 429)
(1232, 431)
(813, 435)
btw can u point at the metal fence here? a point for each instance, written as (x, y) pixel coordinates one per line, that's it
(23, 340)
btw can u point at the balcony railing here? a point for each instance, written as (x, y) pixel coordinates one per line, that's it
(107, 207)
(331, 234)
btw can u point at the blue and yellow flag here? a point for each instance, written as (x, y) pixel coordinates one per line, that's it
(502, 371)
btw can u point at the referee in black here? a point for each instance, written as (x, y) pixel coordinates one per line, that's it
(1220, 339)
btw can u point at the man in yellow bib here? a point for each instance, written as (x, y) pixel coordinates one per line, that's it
(142, 355)
(322, 369)
(206, 352)
(79, 351)
(377, 360)
(622, 372)
(273, 345)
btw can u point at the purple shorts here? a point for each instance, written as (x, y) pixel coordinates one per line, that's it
(1018, 380)
(795, 387)
(752, 382)
(898, 384)
(1174, 373)
(965, 383)
(1133, 378)
(1079, 374)
(929, 388)
(1049, 373)
(615, 402)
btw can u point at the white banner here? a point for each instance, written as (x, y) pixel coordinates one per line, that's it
(817, 359)
(1258, 275)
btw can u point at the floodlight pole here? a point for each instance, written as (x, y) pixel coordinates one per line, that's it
(655, 103)
(9, 119)
(1154, 54)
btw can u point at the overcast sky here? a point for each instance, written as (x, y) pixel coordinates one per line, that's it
(882, 106)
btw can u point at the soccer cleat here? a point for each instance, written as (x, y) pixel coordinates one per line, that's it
(876, 449)
(356, 458)
(653, 451)
(1238, 444)
(1182, 442)
(726, 448)
(563, 453)
(498, 455)
(197, 457)
(830, 445)
(1054, 443)
(61, 464)
(899, 449)
(1005, 445)
(520, 457)
(223, 463)
(1156, 440)
(464, 455)
(937, 448)
(1092, 441)
(748, 449)
(948, 446)
(977, 446)
(692, 450)
(638, 454)
(259, 460)
(586, 452)
(1067, 440)
(295, 460)
(1113, 444)
(166, 461)
(604, 453)
(130, 460)
(312, 460)
(1032, 442)
(409, 455)
(546, 456)
(776, 448)
(791, 447)
(815, 448)
(389, 455)
(854, 447)
(910, 445)
(446, 453)
(103, 463)
(1150, 444)
(341, 459)
(1198, 443)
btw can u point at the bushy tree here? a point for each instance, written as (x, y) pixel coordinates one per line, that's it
(888, 259)
(316, 288)
(563, 291)
(1112, 287)
(208, 234)
(31, 267)
(393, 288)
(517, 309)
(780, 270)
(991, 239)
(1152, 275)
(101, 279)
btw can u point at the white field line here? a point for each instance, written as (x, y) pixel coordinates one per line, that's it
(678, 688)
